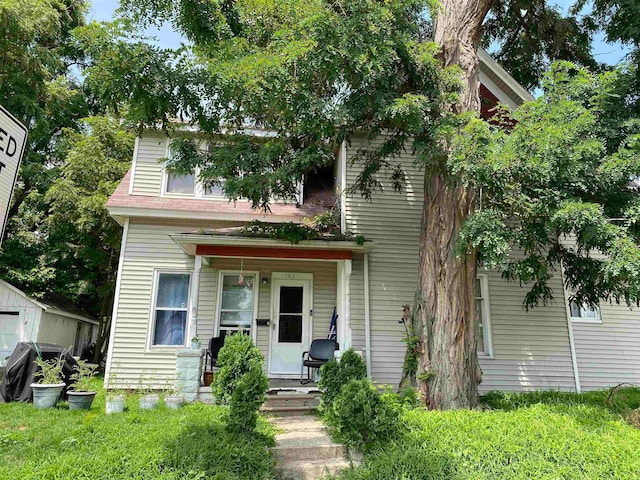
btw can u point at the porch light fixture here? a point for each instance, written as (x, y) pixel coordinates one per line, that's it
(265, 281)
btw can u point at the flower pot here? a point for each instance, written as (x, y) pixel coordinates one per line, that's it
(46, 395)
(80, 400)
(207, 378)
(195, 345)
(115, 404)
(149, 402)
(174, 402)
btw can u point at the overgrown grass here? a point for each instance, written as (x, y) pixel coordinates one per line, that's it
(545, 435)
(190, 443)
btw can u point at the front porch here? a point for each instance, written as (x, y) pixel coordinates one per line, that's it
(281, 294)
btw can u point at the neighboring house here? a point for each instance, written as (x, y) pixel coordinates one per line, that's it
(186, 270)
(53, 319)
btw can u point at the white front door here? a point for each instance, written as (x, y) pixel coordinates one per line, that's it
(291, 300)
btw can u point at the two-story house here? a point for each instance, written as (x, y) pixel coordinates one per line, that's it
(185, 270)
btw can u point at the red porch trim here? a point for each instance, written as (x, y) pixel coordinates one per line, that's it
(272, 252)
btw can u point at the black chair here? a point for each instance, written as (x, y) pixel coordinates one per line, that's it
(211, 355)
(320, 352)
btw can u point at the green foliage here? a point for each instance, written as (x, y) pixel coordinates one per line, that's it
(81, 378)
(532, 34)
(65, 242)
(246, 400)
(240, 382)
(334, 375)
(238, 357)
(313, 73)
(161, 444)
(361, 418)
(557, 175)
(50, 372)
(536, 436)
(290, 231)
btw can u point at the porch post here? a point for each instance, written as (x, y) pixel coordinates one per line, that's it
(192, 329)
(347, 306)
(340, 302)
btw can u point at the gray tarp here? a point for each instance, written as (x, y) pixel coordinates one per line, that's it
(20, 370)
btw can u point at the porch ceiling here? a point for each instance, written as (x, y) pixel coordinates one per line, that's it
(221, 245)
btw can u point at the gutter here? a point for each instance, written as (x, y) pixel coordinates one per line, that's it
(572, 346)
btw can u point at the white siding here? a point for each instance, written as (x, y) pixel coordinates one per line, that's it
(531, 350)
(58, 329)
(20, 328)
(149, 247)
(608, 353)
(147, 171)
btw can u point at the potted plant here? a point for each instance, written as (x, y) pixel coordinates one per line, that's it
(115, 398)
(148, 400)
(81, 397)
(195, 343)
(173, 399)
(47, 390)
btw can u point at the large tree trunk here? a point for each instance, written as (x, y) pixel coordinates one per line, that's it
(444, 315)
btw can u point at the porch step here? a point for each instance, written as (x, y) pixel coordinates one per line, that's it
(292, 400)
(287, 411)
(205, 395)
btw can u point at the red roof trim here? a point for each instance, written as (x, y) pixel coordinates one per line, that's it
(272, 252)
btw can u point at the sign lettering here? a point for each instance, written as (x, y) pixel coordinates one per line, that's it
(13, 138)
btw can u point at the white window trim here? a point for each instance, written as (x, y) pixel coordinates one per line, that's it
(256, 300)
(486, 310)
(152, 309)
(199, 190)
(596, 320)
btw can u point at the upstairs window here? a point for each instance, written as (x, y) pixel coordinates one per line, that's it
(170, 309)
(182, 184)
(214, 190)
(584, 313)
(483, 318)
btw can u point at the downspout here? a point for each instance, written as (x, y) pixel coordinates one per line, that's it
(572, 346)
(367, 318)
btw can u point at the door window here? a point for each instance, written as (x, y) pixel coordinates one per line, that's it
(290, 315)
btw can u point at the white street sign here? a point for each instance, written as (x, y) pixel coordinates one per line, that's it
(13, 138)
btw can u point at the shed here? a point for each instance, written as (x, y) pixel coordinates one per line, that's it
(53, 319)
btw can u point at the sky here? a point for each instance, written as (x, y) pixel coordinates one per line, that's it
(102, 10)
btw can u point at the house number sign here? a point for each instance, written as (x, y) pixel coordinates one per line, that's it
(13, 138)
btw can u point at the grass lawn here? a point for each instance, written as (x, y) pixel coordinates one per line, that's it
(518, 436)
(190, 443)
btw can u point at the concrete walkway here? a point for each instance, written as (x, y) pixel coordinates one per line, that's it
(304, 451)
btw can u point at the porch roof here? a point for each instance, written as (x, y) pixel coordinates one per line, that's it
(219, 244)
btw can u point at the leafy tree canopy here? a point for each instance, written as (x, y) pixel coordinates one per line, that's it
(317, 73)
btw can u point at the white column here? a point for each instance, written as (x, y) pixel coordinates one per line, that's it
(347, 306)
(192, 329)
(340, 302)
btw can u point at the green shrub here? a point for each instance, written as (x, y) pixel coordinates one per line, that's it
(246, 400)
(406, 399)
(237, 357)
(240, 382)
(334, 375)
(360, 417)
